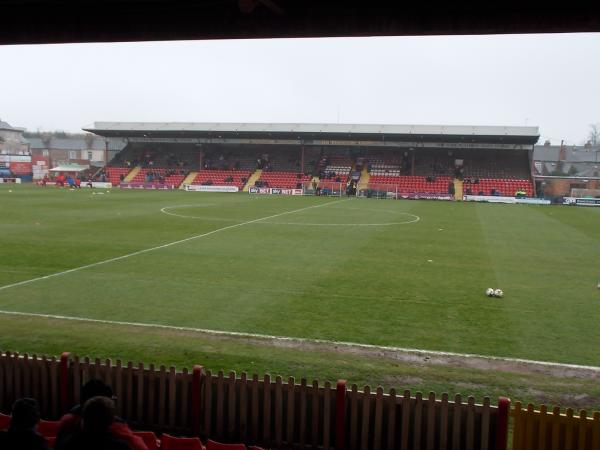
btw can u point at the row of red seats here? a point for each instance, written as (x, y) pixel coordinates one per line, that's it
(218, 177)
(284, 180)
(175, 180)
(49, 429)
(113, 174)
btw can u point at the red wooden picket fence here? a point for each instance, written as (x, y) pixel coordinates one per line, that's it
(278, 413)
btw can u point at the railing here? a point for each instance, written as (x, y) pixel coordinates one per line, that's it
(545, 430)
(281, 413)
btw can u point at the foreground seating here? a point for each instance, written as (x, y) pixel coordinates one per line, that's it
(149, 439)
(169, 442)
(4, 421)
(48, 428)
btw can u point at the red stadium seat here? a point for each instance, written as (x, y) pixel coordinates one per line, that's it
(149, 439)
(169, 442)
(51, 441)
(212, 445)
(4, 421)
(48, 428)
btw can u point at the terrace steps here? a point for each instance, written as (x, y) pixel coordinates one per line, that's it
(458, 189)
(131, 175)
(188, 179)
(255, 176)
(363, 181)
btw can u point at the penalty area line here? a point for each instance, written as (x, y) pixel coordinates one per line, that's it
(505, 364)
(159, 247)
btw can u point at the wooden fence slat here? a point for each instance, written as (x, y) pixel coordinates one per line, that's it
(391, 432)
(208, 409)
(16, 377)
(518, 428)
(278, 411)
(172, 396)
(290, 417)
(431, 404)
(456, 422)
(377, 423)
(443, 438)
(55, 409)
(231, 412)
(327, 416)
(3, 383)
(267, 409)
(85, 373)
(555, 428)
(243, 415)
(303, 413)
(354, 417)
(26, 376)
(405, 420)
(470, 428)
(485, 424)
(128, 391)
(139, 413)
(581, 438)
(529, 425)
(254, 408)
(220, 409)
(569, 430)
(45, 407)
(315, 414)
(596, 431)
(185, 397)
(76, 380)
(418, 421)
(151, 413)
(37, 379)
(542, 428)
(107, 373)
(366, 413)
(119, 387)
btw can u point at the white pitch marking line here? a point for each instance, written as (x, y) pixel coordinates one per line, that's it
(141, 252)
(308, 224)
(299, 340)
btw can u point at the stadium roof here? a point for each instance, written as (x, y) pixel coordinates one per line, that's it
(138, 20)
(525, 135)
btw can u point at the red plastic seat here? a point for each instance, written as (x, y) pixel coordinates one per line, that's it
(51, 441)
(4, 421)
(149, 439)
(212, 445)
(48, 428)
(169, 442)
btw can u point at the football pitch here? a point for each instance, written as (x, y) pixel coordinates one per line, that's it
(409, 274)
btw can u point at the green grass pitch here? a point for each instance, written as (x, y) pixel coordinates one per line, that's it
(357, 270)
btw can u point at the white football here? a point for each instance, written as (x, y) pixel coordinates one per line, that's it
(498, 293)
(489, 292)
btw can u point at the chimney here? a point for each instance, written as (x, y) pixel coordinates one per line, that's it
(562, 155)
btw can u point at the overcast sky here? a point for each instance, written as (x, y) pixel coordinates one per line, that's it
(551, 81)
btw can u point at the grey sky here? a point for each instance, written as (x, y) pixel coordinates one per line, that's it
(552, 81)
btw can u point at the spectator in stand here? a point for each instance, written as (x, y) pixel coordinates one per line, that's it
(70, 423)
(95, 434)
(22, 434)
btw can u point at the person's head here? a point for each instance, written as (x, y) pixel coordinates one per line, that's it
(25, 414)
(95, 388)
(98, 415)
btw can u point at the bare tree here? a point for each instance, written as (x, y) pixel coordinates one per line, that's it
(594, 135)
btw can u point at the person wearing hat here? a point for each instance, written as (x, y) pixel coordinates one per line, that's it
(22, 434)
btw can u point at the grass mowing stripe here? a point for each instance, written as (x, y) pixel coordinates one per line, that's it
(169, 244)
(298, 342)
